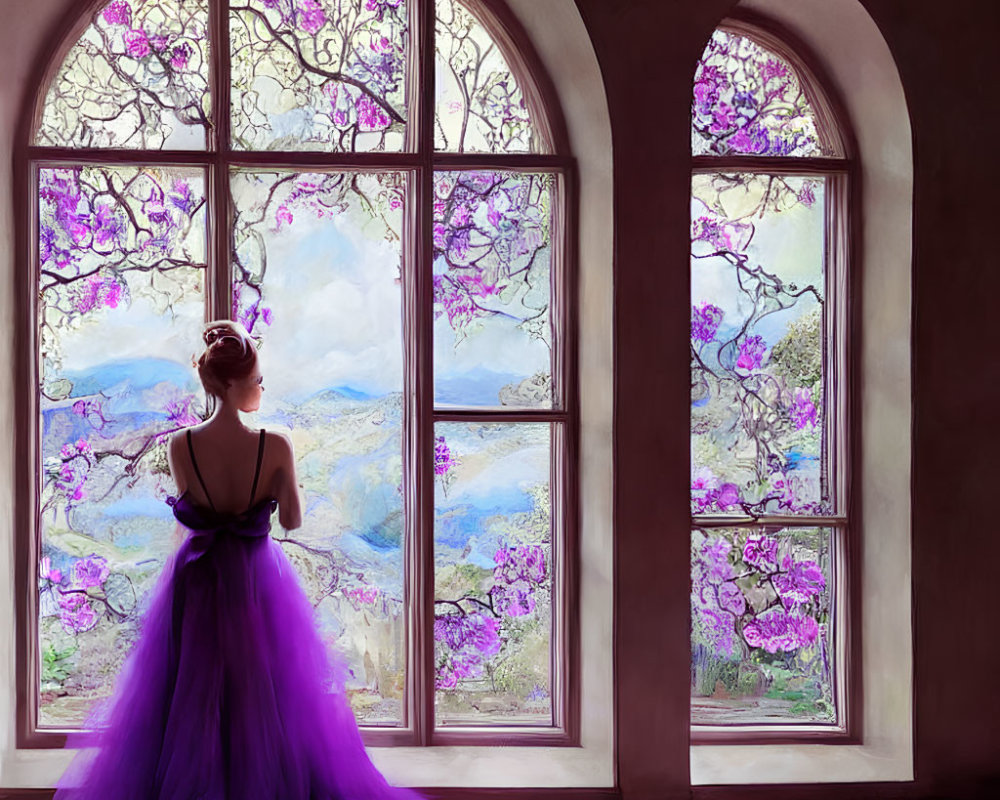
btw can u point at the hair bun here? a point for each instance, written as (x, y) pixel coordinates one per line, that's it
(218, 334)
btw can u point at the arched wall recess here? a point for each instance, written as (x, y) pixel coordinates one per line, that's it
(866, 79)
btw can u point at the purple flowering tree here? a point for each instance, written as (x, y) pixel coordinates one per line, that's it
(108, 238)
(760, 615)
(756, 386)
(480, 105)
(115, 245)
(748, 101)
(492, 250)
(138, 78)
(319, 74)
(484, 618)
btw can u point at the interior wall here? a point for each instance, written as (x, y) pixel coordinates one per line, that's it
(945, 54)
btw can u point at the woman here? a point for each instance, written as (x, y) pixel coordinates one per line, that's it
(227, 693)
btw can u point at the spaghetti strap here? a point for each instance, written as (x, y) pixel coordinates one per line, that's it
(197, 471)
(256, 473)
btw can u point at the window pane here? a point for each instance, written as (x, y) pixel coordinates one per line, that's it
(493, 573)
(319, 75)
(492, 293)
(137, 78)
(762, 639)
(748, 101)
(317, 263)
(121, 304)
(758, 433)
(479, 106)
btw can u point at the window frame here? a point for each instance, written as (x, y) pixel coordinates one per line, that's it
(842, 332)
(420, 160)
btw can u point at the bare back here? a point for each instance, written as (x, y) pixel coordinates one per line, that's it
(226, 459)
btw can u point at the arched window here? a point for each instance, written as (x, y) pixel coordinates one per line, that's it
(771, 395)
(380, 189)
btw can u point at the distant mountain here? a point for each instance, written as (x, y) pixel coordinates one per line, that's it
(140, 373)
(477, 387)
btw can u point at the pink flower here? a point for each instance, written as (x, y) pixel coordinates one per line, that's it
(705, 321)
(761, 552)
(118, 13)
(90, 571)
(136, 43)
(179, 55)
(443, 459)
(799, 582)
(778, 630)
(48, 573)
(364, 594)
(76, 613)
(370, 116)
(283, 216)
(731, 599)
(311, 16)
(803, 410)
(751, 353)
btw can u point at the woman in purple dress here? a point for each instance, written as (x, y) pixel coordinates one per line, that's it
(229, 693)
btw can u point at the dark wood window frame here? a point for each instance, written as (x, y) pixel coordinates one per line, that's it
(841, 356)
(419, 162)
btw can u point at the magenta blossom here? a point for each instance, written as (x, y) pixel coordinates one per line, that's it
(716, 555)
(366, 595)
(283, 216)
(46, 572)
(118, 13)
(443, 459)
(798, 582)
(464, 631)
(719, 630)
(370, 116)
(751, 353)
(731, 599)
(761, 553)
(803, 410)
(90, 571)
(518, 573)
(778, 630)
(180, 55)
(136, 43)
(76, 613)
(311, 16)
(705, 320)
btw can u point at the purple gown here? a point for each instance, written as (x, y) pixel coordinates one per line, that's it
(229, 693)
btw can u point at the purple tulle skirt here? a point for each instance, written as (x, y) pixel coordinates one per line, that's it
(229, 693)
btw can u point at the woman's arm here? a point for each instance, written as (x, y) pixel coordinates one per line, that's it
(286, 484)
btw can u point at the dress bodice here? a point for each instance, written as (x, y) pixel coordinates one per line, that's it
(252, 523)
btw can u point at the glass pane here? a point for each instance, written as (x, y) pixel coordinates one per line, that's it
(762, 638)
(478, 104)
(748, 101)
(121, 305)
(316, 273)
(137, 78)
(492, 294)
(758, 433)
(319, 75)
(493, 574)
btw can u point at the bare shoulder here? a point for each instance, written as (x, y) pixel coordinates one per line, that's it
(279, 445)
(175, 443)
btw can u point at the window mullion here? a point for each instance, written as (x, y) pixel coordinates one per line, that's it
(218, 294)
(420, 377)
